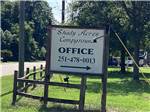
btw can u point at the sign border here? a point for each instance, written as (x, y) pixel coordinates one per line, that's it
(48, 53)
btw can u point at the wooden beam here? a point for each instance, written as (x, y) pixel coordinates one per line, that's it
(63, 101)
(77, 86)
(15, 88)
(41, 73)
(21, 40)
(63, 12)
(82, 93)
(48, 99)
(34, 75)
(26, 84)
(105, 73)
(29, 95)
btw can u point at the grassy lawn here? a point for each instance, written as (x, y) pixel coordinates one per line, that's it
(124, 95)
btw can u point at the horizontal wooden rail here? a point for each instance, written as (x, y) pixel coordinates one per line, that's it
(64, 85)
(30, 81)
(63, 101)
(32, 73)
(26, 76)
(49, 99)
(29, 95)
(37, 71)
(50, 83)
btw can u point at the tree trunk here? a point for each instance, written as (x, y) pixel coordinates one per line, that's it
(136, 57)
(122, 64)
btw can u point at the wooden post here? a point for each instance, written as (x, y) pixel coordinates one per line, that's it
(34, 75)
(26, 84)
(21, 41)
(82, 93)
(46, 90)
(15, 88)
(104, 92)
(47, 69)
(63, 12)
(105, 74)
(41, 73)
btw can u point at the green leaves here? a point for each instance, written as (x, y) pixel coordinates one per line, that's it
(37, 17)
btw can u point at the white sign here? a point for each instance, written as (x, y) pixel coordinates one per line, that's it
(77, 50)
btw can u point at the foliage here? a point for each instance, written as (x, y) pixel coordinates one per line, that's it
(146, 42)
(138, 13)
(37, 17)
(6, 54)
(42, 53)
(129, 19)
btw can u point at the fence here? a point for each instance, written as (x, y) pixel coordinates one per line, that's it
(28, 81)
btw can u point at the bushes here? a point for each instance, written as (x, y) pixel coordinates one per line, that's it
(42, 53)
(37, 16)
(6, 54)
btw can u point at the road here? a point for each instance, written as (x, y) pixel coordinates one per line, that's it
(9, 68)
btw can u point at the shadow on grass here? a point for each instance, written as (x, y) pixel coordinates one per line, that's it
(7, 93)
(62, 109)
(116, 74)
(122, 87)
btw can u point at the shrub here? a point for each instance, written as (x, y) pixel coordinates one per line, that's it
(6, 54)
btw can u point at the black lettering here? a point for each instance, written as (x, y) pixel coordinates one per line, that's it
(59, 32)
(76, 50)
(84, 51)
(90, 51)
(61, 50)
(68, 50)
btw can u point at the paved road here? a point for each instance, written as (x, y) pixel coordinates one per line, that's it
(9, 68)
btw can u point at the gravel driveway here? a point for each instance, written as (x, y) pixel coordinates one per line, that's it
(9, 68)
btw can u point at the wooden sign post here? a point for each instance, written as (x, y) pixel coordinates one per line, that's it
(76, 50)
(105, 74)
(80, 51)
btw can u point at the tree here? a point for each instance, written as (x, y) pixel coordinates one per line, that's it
(31, 46)
(138, 13)
(6, 37)
(146, 42)
(98, 13)
(40, 14)
(37, 16)
(6, 42)
(130, 19)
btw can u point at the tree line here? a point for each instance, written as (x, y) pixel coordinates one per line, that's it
(130, 19)
(37, 17)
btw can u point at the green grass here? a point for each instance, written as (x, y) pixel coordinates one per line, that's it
(124, 95)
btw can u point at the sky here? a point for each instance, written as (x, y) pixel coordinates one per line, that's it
(57, 7)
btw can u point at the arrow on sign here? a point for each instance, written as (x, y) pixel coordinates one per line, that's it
(87, 67)
(95, 40)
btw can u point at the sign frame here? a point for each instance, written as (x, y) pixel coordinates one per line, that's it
(48, 56)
